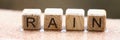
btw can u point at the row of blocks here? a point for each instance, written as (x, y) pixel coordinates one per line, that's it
(73, 20)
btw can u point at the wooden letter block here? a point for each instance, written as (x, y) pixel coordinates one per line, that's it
(96, 20)
(53, 19)
(31, 19)
(75, 19)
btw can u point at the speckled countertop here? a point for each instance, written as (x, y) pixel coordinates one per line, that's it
(11, 29)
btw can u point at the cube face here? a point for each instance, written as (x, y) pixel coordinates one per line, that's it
(74, 22)
(31, 22)
(53, 22)
(96, 23)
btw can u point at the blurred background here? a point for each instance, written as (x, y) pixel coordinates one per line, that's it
(111, 6)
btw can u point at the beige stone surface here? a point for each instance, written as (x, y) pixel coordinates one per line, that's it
(94, 26)
(51, 20)
(74, 22)
(11, 25)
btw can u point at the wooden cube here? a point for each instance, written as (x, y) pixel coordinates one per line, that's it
(31, 19)
(53, 19)
(75, 19)
(96, 20)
